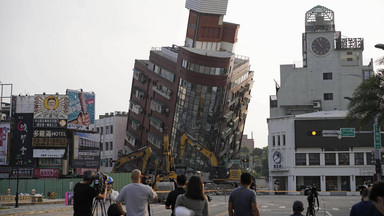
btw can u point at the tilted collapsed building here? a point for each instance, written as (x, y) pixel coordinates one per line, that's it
(202, 89)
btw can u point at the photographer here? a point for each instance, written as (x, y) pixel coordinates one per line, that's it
(313, 200)
(84, 194)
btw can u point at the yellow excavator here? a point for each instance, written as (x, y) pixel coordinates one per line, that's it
(186, 138)
(218, 174)
(145, 153)
(168, 173)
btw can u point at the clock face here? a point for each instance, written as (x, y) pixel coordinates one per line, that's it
(276, 157)
(320, 46)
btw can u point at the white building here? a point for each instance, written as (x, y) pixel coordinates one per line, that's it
(313, 97)
(111, 128)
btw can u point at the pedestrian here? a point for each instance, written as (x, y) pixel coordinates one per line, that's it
(364, 207)
(136, 196)
(297, 208)
(111, 196)
(242, 200)
(194, 198)
(376, 196)
(181, 180)
(115, 210)
(84, 194)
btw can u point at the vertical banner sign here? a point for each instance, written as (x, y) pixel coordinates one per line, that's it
(22, 138)
(51, 110)
(81, 109)
(4, 132)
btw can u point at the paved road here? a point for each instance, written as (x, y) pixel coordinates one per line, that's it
(270, 205)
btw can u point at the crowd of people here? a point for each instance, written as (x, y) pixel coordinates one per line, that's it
(189, 199)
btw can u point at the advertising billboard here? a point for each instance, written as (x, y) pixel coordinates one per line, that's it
(50, 110)
(46, 172)
(81, 109)
(22, 138)
(55, 138)
(86, 150)
(25, 104)
(4, 134)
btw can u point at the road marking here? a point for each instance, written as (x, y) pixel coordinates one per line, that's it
(281, 207)
(329, 214)
(222, 214)
(264, 206)
(336, 209)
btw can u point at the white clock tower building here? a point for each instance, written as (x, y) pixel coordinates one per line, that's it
(314, 97)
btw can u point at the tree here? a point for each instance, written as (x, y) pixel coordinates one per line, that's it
(367, 101)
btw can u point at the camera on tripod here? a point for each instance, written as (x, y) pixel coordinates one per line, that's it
(311, 191)
(99, 182)
(366, 184)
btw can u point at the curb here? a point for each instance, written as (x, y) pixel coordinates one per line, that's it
(32, 212)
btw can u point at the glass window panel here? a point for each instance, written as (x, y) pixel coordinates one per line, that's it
(359, 158)
(345, 183)
(331, 183)
(370, 160)
(330, 159)
(314, 158)
(300, 159)
(343, 158)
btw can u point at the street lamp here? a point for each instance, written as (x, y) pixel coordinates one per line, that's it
(380, 46)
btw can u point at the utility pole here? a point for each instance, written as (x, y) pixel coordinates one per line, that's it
(377, 146)
(377, 138)
(18, 163)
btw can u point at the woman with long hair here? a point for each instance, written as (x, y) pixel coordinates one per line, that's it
(194, 199)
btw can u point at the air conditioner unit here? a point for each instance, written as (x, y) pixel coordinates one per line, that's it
(316, 104)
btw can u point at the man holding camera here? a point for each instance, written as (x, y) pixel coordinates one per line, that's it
(84, 194)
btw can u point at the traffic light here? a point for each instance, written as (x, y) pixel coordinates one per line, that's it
(314, 133)
(111, 162)
(245, 160)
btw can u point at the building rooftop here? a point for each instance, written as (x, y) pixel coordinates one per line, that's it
(213, 53)
(325, 114)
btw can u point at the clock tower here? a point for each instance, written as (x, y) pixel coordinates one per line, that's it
(318, 39)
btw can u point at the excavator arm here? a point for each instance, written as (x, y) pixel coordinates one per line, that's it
(145, 152)
(185, 138)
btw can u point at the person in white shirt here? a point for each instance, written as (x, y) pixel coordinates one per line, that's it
(110, 198)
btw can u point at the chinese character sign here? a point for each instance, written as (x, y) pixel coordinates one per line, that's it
(4, 131)
(51, 106)
(22, 137)
(81, 109)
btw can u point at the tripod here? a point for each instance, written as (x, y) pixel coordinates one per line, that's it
(311, 204)
(98, 202)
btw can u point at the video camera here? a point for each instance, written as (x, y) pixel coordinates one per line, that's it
(366, 184)
(99, 182)
(311, 191)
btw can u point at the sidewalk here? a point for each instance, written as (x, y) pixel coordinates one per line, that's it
(29, 208)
